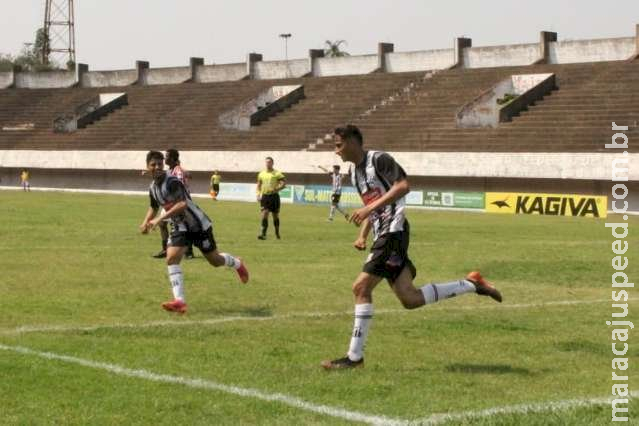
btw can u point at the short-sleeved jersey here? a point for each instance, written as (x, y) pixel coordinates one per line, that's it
(215, 179)
(180, 173)
(24, 176)
(372, 178)
(171, 191)
(269, 180)
(336, 179)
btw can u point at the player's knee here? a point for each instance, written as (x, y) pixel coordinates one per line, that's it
(409, 303)
(361, 289)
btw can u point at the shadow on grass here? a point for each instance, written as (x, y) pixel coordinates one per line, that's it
(487, 369)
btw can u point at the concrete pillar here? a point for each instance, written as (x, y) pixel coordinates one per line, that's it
(194, 63)
(545, 38)
(140, 66)
(636, 40)
(382, 50)
(312, 55)
(460, 44)
(82, 69)
(251, 59)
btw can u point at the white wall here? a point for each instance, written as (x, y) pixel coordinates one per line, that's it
(45, 80)
(420, 61)
(281, 69)
(171, 75)
(595, 166)
(6, 79)
(500, 56)
(217, 73)
(347, 65)
(109, 78)
(608, 49)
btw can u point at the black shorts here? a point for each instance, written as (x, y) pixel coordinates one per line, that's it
(203, 240)
(335, 198)
(389, 256)
(271, 202)
(216, 187)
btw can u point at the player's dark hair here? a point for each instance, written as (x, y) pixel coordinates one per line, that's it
(350, 132)
(154, 155)
(173, 154)
(270, 158)
(336, 166)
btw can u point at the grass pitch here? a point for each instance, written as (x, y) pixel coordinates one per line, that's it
(78, 280)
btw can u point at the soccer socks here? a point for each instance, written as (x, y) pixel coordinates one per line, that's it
(332, 213)
(436, 292)
(363, 318)
(164, 244)
(230, 261)
(276, 222)
(264, 226)
(176, 277)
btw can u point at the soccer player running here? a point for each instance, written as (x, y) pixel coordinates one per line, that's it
(383, 185)
(336, 181)
(269, 183)
(189, 225)
(175, 169)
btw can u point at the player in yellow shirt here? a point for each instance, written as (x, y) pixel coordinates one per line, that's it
(269, 183)
(215, 185)
(24, 180)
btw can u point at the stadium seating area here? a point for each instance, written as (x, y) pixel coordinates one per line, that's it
(420, 117)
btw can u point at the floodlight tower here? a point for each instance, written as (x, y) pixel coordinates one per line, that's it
(59, 32)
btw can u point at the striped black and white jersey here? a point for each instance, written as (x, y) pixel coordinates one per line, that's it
(171, 191)
(372, 178)
(337, 182)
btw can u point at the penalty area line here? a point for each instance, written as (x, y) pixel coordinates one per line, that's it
(292, 401)
(198, 383)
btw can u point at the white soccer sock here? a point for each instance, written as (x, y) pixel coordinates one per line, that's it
(230, 261)
(332, 213)
(436, 292)
(363, 318)
(176, 277)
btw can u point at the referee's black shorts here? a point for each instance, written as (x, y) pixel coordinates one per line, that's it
(271, 202)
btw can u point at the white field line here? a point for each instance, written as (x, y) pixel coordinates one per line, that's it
(171, 323)
(434, 419)
(210, 385)
(552, 406)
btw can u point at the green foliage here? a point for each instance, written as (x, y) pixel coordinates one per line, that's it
(508, 97)
(30, 57)
(333, 49)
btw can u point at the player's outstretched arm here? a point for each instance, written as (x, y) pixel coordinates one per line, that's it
(323, 168)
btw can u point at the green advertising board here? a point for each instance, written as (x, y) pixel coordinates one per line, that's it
(454, 199)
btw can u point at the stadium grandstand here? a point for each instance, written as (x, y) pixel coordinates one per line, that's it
(459, 119)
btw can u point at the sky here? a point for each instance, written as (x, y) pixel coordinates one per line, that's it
(113, 34)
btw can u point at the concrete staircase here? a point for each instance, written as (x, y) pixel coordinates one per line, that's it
(397, 112)
(575, 118)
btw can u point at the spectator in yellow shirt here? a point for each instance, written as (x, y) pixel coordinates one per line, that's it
(24, 180)
(215, 185)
